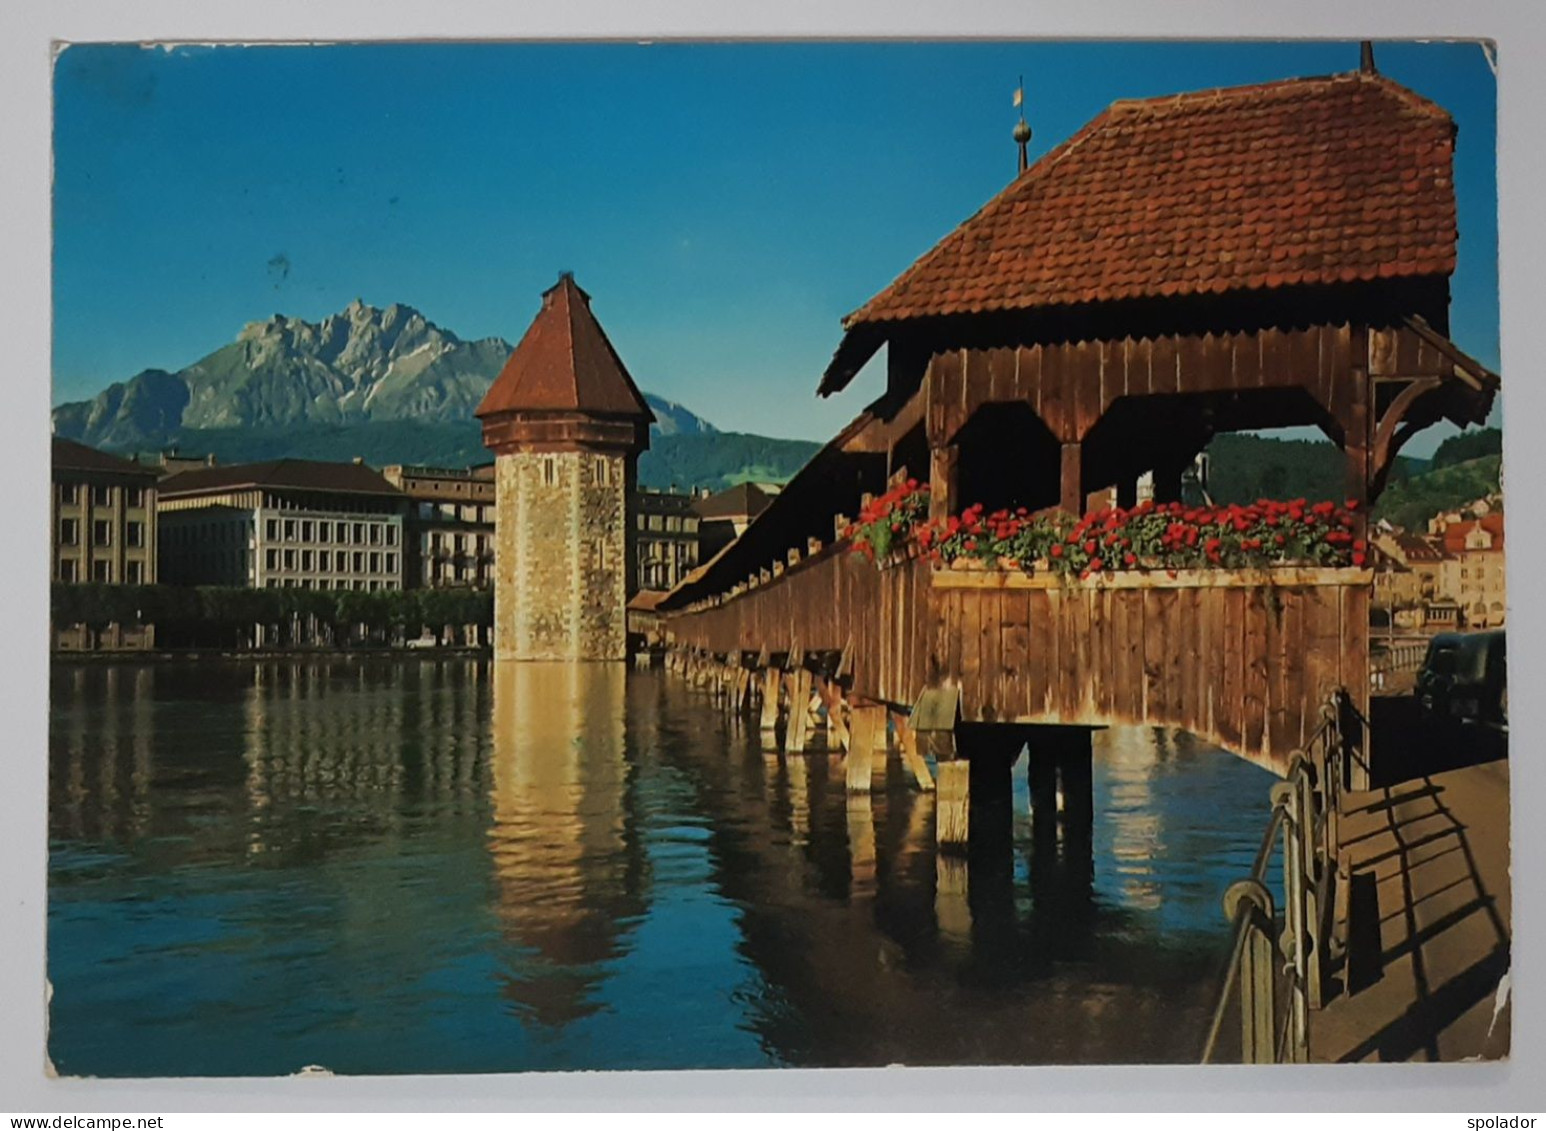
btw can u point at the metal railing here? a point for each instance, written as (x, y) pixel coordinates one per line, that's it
(1279, 959)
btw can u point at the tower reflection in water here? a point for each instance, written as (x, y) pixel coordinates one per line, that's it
(569, 870)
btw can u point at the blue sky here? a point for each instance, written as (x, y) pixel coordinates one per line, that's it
(725, 205)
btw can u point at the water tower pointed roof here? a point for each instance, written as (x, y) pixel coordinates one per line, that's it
(565, 363)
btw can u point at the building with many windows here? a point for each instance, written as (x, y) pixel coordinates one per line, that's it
(281, 524)
(104, 517)
(666, 546)
(450, 525)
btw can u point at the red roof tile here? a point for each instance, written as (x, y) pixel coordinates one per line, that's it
(1455, 533)
(1306, 181)
(294, 474)
(68, 455)
(565, 364)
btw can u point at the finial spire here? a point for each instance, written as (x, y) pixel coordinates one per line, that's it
(1366, 58)
(1022, 133)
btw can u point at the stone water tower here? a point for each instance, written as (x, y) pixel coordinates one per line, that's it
(566, 425)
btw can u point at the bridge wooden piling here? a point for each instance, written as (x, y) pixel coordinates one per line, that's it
(859, 765)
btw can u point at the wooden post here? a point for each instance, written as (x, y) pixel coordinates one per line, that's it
(837, 729)
(769, 702)
(860, 763)
(912, 761)
(944, 467)
(1076, 776)
(1258, 1029)
(1071, 492)
(953, 805)
(799, 708)
(1358, 432)
(1041, 775)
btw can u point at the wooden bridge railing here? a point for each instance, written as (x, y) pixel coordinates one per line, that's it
(1279, 969)
(1243, 659)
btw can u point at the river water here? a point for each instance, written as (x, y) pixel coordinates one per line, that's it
(440, 865)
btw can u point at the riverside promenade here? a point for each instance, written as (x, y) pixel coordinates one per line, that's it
(1427, 915)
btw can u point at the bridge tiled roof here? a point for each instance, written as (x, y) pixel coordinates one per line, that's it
(1338, 179)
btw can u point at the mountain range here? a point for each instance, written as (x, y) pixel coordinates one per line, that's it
(386, 383)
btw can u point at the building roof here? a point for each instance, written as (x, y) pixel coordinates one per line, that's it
(744, 500)
(293, 474)
(1454, 535)
(71, 456)
(1339, 179)
(1416, 548)
(565, 363)
(647, 600)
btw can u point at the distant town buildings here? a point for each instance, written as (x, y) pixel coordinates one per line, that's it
(667, 538)
(283, 524)
(1451, 576)
(450, 527)
(726, 515)
(104, 517)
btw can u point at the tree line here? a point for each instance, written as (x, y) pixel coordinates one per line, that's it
(236, 617)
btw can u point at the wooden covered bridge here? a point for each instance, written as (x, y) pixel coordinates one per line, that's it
(1249, 258)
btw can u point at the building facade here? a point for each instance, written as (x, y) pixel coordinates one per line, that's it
(449, 539)
(566, 425)
(666, 538)
(283, 524)
(104, 517)
(1455, 575)
(724, 516)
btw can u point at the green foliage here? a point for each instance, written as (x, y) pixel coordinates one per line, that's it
(715, 460)
(1247, 467)
(1468, 446)
(1244, 468)
(718, 460)
(1413, 502)
(226, 616)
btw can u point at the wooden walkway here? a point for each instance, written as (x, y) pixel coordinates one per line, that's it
(1427, 918)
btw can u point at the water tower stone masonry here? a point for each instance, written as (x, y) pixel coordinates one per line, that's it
(566, 425)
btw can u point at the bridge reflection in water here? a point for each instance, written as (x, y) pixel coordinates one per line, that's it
(446, 865)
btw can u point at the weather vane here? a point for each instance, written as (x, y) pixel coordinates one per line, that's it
(1022, 127)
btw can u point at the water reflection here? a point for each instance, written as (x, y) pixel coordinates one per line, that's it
(568, 867)
(450, 866)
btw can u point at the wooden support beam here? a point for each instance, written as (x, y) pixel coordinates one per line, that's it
(1071, 490)
(770, 676)
(944, 476)
(799, 708)
(860, 764)
(952, 823)
(832, 699)
(912, 760)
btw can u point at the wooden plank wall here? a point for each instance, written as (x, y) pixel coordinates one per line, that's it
(1242, 663)
(1072, 384)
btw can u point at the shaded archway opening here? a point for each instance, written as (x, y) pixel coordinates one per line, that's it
(1008, 458)
(911, 453)
(1161, 436)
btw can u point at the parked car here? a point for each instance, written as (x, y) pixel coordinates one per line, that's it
(1464, 678)
(425, 641)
